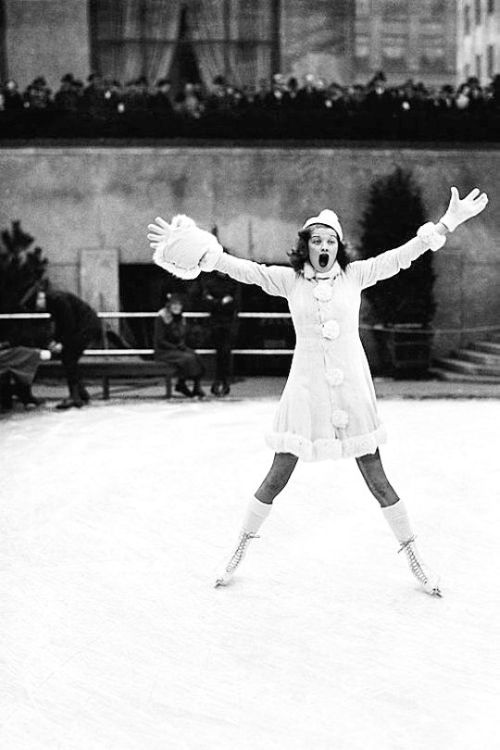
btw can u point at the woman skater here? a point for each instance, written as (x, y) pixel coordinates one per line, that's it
(328, 407)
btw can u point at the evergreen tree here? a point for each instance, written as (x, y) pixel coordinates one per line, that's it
(21, 268)
(394, 213)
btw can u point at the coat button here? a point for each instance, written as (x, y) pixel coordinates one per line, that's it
(340, 418)
(335, 376)
(330, 329)
(323, 291)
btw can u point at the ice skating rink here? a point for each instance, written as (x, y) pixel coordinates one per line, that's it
(113, 519)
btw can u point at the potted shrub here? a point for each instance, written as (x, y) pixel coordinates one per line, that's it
(21, 267)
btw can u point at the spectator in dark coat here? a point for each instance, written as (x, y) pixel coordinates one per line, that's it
(170, 346)
(161, 102)
(75, 325)
(38, 95)
(221, 296)
(67, 98)
(13, 100)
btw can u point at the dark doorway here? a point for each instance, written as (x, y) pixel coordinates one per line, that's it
(143, 288)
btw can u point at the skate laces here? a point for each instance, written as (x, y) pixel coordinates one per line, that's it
(415, 564)
(240, 550)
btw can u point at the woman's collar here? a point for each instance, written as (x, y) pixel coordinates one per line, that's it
(311, 273)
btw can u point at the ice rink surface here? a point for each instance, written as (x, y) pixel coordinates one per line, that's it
(113, 519)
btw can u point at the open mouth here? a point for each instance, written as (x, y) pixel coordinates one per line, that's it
(323, 259)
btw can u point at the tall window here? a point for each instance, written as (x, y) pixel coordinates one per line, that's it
(490, 61)
(491, 6)
(433, 9)
(478, 12)
(132, 38)
(395, 9)
(467, 20)
(478, 66)
(235, 38)
(3, 61)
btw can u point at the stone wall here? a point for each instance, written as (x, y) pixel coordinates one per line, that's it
(78, 200)
(48, 38)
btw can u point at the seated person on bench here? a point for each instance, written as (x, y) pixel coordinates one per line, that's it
(170, 346)
(18, 366)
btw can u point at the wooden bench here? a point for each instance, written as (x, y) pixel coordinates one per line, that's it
(106, 370)
(107, 364)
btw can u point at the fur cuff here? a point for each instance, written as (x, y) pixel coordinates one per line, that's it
(430, 236)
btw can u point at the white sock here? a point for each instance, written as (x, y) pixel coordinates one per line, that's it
(397, 517)
(255, 515)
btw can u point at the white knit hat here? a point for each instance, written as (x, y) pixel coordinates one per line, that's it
(327, 217)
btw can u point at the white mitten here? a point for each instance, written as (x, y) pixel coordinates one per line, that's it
(459, 210)
(182, 248)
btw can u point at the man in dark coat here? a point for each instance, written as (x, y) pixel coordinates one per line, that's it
(221, 297)
(75, 325)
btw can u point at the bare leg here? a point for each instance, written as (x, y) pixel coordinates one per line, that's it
(277, 477)
(375, 477)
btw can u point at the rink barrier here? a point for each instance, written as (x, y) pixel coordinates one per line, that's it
(107, 364)
(257, 315)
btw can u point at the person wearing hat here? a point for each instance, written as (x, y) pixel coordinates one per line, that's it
(18, 367)
(76, 325)
(328, 407)
(170, 347)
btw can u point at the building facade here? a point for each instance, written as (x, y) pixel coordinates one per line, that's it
(337, 40)
(478, 47)
(406, 39)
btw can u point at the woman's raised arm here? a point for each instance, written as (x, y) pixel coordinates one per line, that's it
(185, 250)
(429, 237)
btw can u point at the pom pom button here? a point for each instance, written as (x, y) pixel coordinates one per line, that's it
(330, 329)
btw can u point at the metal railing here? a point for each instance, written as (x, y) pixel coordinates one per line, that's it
(139, 352)
(241, 315)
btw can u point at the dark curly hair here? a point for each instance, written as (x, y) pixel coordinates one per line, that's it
(300, 253)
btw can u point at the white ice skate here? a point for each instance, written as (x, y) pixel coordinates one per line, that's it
(227, 570)
(427, 579)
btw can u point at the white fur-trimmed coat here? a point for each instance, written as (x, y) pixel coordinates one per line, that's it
(328, 407)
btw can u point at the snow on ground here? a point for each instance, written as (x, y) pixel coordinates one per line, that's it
(113, 638)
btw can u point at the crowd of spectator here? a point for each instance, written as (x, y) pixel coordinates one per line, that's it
(279, 108)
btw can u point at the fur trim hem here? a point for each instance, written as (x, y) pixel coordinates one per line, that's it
(322, 450)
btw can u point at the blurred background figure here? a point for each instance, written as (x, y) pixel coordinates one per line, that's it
(76, 325)
(170, 346)
(38, 95)
(12, 96)
(18, 366)
(221, 296)
(161, 102)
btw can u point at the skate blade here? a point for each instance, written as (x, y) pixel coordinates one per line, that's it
(221, 582)
(436, 591)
